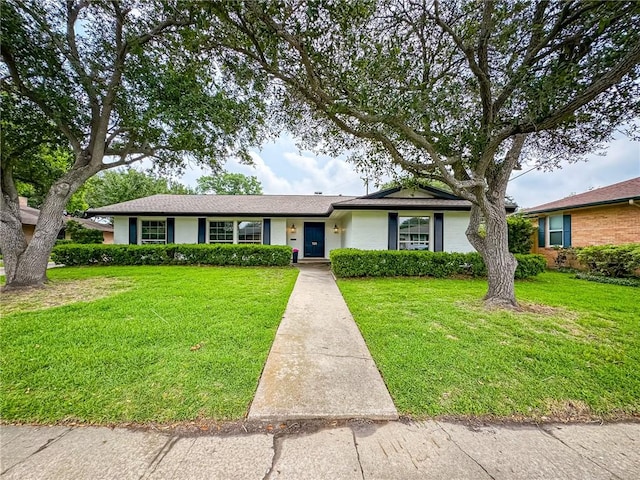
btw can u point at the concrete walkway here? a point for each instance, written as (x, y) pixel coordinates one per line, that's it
(358, 451)
(319, 365)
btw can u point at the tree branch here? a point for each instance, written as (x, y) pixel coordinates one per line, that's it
(31, 95)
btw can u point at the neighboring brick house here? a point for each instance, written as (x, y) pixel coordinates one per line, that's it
(29, 217)
(603, 216)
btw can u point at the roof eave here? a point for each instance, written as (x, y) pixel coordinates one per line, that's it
(581, 205)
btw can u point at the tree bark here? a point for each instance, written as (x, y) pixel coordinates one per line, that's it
(493, 245)
(26, 264)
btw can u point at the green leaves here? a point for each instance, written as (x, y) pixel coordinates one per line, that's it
(230, 184)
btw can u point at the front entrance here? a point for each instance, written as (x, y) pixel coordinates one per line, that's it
(314, 239)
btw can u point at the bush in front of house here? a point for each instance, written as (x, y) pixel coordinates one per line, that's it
(174, 254)
(520, 231)
(625, 282)
(347, 262)
(615, 261)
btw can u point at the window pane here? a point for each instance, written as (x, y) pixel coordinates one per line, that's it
(221, 232)
(555, 222)
(153, 231)
(249, 232)
(555, 238)
(413, 233)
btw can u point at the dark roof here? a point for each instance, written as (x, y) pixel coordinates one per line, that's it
(280, 205)
(275, 205)
(410, 203)
(29, 216)
(617, 193)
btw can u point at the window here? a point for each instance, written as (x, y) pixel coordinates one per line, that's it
(249, 232)
(153, 231)
(555, 230)
(221, 232)
(413, 233)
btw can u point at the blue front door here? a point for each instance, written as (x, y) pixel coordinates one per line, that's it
(314, 239)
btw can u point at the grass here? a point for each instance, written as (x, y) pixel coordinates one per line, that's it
(576, 353)
(163, 344)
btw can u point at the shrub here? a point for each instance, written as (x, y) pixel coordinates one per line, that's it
(520, 234)
(617, 261)
(80, 234)
(235, 255)
(627, 282)
(394, 263)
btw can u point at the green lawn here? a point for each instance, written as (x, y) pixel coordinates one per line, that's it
(163, 344)
(441, 353)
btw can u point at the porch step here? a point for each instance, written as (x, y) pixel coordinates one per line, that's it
(314, 261)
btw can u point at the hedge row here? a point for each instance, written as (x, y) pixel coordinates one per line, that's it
(616, 261)
(183, 254)
(399, 263)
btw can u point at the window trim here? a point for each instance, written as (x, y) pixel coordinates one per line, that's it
(550, 231)
(241, 242)
(233, 227)
(141, 241)
(428, 243)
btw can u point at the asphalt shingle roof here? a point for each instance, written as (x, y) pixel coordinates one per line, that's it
(276, 205)
(29, 216)
(618, 192)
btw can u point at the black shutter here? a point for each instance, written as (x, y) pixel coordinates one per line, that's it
(566, 231)
(202, 230)
(133, 230)
(541, 231)
(393, 231)
(438, 232)
(171, 230)
(266, 231)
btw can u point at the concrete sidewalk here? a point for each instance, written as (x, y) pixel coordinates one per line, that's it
(319, 365)
(358, 451)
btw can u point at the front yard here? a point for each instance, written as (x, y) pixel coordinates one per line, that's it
(139, 344)
(575, 354)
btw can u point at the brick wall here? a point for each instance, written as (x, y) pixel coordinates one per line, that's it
(604, 225)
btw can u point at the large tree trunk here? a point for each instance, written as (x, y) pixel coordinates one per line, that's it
(494, 248)
(26, 265)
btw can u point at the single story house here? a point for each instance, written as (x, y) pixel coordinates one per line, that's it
(418, 219)
(603, 216)
(29, 217)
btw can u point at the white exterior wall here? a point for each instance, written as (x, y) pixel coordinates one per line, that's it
(347, 224)
(120, 229)
(278, 231)
(186, 230)
(331, 240)
(369, 230)
(455, 238)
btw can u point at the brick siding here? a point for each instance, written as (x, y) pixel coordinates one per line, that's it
(604, 225)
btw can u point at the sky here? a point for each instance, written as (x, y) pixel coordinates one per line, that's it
(285, 170)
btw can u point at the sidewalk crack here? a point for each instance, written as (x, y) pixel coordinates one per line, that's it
(355, 445)
(166, 448)
(48, 443)
(580, 454)
(277, 452)
(463, 451)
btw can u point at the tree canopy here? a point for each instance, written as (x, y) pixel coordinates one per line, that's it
(115, 186)
(460, 92)
(118, 82)
(227, 183)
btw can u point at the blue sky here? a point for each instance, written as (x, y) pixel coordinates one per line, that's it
(283, 169)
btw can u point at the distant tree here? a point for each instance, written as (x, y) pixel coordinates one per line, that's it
(229, 184)
(457, 91)
(115, 82)
(115, 186)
